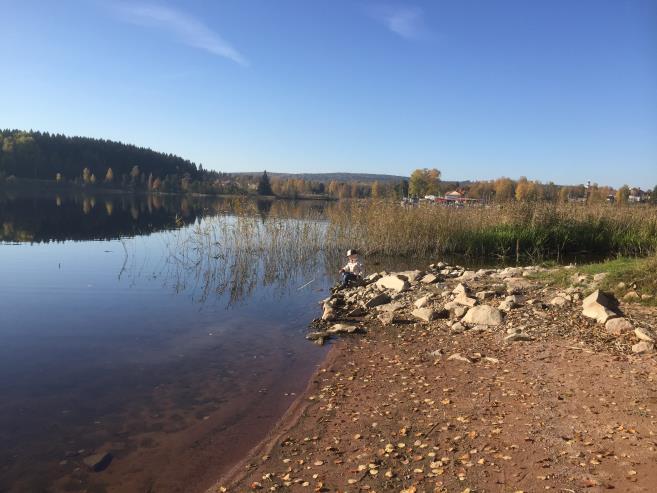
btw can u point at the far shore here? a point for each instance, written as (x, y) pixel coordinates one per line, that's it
(443, 379)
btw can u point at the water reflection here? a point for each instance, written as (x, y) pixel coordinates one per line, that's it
(125, 344)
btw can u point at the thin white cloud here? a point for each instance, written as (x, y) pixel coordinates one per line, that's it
(182, 26)
(404, 20)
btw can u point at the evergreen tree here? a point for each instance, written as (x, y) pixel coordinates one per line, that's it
(264, 185)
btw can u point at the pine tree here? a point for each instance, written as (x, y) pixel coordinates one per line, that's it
(264, 185)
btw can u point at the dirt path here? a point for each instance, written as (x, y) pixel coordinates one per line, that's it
(393, 412)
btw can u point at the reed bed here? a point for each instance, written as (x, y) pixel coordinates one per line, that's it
(534, 231)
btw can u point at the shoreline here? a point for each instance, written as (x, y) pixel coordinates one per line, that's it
(288, 421)
(322, 443)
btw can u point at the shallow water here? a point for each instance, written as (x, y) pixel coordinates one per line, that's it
(111, 340)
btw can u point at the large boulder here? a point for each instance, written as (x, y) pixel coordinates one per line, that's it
(618, 326)
(483, 315)
(411, 275)
(426, 314)
(644, 334)
(643, 347)
(390, 307)
(379, 299)
(342, 329)
(462, 299)
(387, 318)
(394, 282)
(599, 306)
(422, 302)
(430, 279)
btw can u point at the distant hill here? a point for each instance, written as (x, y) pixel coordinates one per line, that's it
(327, 177)
(346, 177)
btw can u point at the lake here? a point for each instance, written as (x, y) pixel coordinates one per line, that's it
(151, 327)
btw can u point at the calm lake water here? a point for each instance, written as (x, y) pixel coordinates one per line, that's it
(146, 327)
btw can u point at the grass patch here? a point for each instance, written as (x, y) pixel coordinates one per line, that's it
(624, 274)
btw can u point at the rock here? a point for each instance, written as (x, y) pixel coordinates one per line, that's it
(411, 275)
(621, 285)
(313, 336)
(419, 303)
(430, 279)
(618, 326)
(373, 277)
(467, 275)
(342, 329)
(359, 311)
(329, 313)
(510, 272)
(319, 341)
(643, 347)
(631, 296)
(461, 290)
(98, 462)
(459, 311)
(558, 301)
(644, 334)
(462, 299)
(578, 278)
(426, 314)
(599, 306)
(459, 357)
(390, 307)
(379, 299)
(600, 277)
(393, 282)
(457, 328)
(646, 297)
(516, 285)
(436, 354)
(517, 336)
(387, 318)
(485, 295)
(483, 315)
(507, 305)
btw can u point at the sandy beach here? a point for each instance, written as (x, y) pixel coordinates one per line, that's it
(440, 405)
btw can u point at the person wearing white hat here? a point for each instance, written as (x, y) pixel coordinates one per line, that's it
(351, 273)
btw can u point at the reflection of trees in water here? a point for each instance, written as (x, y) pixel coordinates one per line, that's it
(231, 255)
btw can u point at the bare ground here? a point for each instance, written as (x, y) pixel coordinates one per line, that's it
(571, 410)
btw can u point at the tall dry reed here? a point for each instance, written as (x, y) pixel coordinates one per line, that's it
(538, 231)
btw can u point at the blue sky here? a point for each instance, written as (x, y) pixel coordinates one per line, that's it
(561, 90)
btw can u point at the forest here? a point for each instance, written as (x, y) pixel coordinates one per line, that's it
(97, 162)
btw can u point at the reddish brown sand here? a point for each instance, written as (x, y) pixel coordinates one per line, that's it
(384, 415)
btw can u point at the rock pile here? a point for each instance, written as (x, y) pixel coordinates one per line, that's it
(458, 300)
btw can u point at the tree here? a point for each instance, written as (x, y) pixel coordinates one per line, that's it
(109, 176)
(58, 177)
(504, 190)
(653, 195)
(622, 195)
(424, 181)
(375, 192)
(86, 175)
(264, 185)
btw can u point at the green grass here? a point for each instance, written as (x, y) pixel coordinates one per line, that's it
(637, 274)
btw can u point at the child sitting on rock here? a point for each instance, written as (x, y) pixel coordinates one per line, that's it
(352, 273)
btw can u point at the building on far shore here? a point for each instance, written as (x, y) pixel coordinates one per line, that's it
(638, 195)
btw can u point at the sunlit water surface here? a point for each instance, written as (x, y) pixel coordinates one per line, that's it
(122, 331)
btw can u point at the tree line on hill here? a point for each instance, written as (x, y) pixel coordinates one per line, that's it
(98, 163)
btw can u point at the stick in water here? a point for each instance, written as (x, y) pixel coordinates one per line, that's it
(301, 287)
